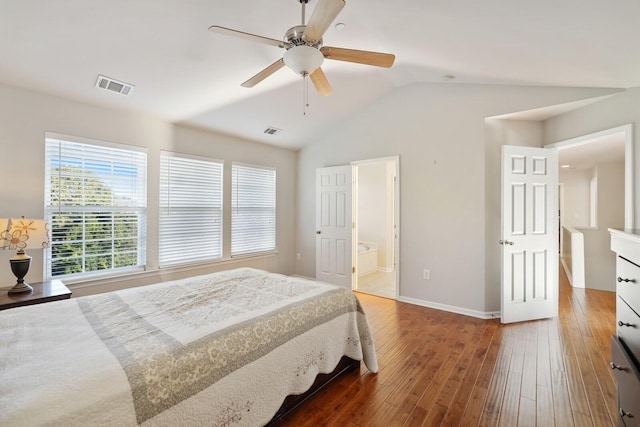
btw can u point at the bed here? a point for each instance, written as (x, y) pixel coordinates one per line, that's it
(221, 349)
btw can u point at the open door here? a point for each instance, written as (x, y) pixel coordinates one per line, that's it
(529, 233)
(334, 225)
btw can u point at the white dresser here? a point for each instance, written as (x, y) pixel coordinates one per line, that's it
(625, 346)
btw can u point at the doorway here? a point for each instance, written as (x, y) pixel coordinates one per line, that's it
(610, 145)
(375, 242)
(597, 194)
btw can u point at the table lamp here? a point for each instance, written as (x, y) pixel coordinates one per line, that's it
(21, 234)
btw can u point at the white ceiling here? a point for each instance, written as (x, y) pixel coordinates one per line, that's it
(184, 73)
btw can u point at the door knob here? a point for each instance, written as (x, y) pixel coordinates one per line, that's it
(318, 232)
(618, 367)
(624, 413)
(506, 242)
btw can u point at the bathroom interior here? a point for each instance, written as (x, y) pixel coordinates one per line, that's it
(375, 263)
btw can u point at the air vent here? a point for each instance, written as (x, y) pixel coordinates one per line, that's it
(108, 83)
(272, 131)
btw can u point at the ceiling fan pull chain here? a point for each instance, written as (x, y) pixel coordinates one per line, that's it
(305, 93)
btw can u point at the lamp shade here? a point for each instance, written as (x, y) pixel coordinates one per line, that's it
(4, 230)
(303, 59)
(24, 233)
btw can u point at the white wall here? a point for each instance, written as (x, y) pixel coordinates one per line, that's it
(577, 196)
(438, 130)
(25, 116)
(610, 195)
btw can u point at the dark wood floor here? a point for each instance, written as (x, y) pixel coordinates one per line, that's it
(439, 368)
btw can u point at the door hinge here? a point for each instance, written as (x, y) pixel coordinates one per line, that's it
(353, 270)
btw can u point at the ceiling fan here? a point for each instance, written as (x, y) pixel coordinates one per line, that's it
(304, 50)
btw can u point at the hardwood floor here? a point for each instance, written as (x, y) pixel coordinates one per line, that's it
(439, 368)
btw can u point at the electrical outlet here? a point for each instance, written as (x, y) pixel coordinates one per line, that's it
(298, 257)
(426, 274)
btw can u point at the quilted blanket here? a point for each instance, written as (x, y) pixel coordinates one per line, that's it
(223, 349)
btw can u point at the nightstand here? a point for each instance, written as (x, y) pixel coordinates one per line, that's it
(51, 290)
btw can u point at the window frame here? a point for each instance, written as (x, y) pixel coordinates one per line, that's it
(137, 208)
(234, 211)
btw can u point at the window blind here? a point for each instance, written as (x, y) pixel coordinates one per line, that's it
(95, 202)
(190, 209)
(253, 209)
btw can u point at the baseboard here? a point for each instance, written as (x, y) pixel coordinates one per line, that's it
(438, 306)
(386, 269)
(452, 309)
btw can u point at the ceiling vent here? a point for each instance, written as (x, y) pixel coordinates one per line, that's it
(108, 83)
(272, 131)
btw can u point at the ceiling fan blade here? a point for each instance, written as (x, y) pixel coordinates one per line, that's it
(246, 36)
(359, 56)
(264, 74)
(320, 82)
(322, 16)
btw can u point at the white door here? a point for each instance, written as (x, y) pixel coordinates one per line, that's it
(529, 233)
(334, 225)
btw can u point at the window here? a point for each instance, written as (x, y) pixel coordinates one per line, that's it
(95, 202)
(253, 209)
(190, 209)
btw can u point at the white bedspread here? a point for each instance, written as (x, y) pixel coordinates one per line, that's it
(222, 349)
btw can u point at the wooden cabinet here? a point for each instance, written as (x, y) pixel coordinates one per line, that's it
(51, 290)
(628, 385)
(625, 346)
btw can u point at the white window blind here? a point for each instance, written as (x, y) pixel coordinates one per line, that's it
(253, 209)
(190, 209)
(95, 202)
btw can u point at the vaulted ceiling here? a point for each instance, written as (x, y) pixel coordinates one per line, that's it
(186, 74)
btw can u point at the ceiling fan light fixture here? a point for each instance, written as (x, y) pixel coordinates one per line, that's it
(303, 60)
(305, 51)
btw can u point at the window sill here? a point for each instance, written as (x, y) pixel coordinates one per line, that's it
(162, 271)
(217, 262)
(254, 255)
